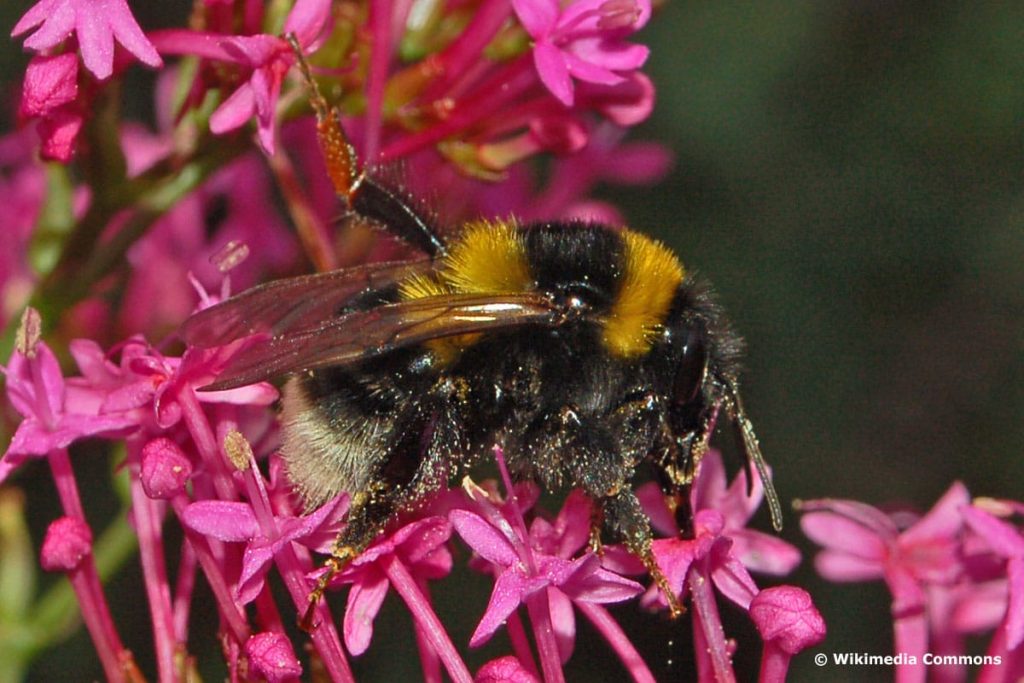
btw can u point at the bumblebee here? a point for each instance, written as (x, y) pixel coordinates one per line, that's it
(586, 352)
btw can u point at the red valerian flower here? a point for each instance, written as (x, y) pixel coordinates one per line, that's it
(270, 58)
(96, 24)
(419, 545)
(55, 413)
(861, 542)
(583, 40)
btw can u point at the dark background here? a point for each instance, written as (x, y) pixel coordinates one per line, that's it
(848, 175)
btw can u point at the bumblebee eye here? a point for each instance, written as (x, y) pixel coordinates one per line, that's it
(692, 368)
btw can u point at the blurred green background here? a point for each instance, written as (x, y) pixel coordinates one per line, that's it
(849, 176)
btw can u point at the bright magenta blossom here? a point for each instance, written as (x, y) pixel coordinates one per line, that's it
(583, 40)
(269, 57)
(953, 572)
(420, 546)
(55, 412)
(788, 622)
(95, 23)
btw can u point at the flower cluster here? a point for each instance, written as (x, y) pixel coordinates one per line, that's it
(129, 229)
(187, 458)
(954, 572)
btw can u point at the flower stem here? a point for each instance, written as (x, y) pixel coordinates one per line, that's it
(148, 524)
(708, 639)
(424, 615)
(616, 637)
(86, 581)
(774, 664)
(547, 648)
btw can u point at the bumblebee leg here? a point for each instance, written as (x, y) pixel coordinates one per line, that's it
(600, 460)
(425, 438)
(625, 519)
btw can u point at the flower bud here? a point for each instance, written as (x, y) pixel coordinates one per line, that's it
(68, 541)
(271, 656)
(165, 468)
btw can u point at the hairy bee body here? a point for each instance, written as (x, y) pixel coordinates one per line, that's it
(572, 405)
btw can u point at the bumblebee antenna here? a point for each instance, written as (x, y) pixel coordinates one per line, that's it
(362, 194)
(734, 406)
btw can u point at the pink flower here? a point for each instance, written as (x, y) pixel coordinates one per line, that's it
(504, 670)
(164, 469)
(96, 24)
(55, 413)
(523, 571)
(238, 522)
(270, 57)
(756, 550)
(50, 82)
(719, 554)
(419, 545)
(1007, 542)
(861, 542)
(583, 40)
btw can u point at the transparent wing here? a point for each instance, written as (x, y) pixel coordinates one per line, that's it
(365, 334)
(297, 303)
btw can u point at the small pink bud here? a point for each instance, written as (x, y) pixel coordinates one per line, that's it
(504, 670)
(58, 133)
(271, 656)
(165, 468)
(68, 541)
(787, 616)
(50, 82)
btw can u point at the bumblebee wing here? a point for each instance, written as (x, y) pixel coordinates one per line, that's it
(297, 303)
(365, 334)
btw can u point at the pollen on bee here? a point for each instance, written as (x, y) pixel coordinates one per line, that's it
(650, 277)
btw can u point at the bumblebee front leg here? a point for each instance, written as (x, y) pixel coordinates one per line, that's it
(600, 460)
(624, 519)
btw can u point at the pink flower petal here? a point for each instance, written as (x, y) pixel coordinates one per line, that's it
(1015, 608)
(563, 622)
(842, 534)
(487, 541)
(130, 36)
(537, 16)
(222, 519)
(553, 72)
(732, 579)
(234, 112)
(764, 553)
(307, 20)
(95, 40)
(842, 567)
(944, 520)
(364, 601)
(505, 597)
